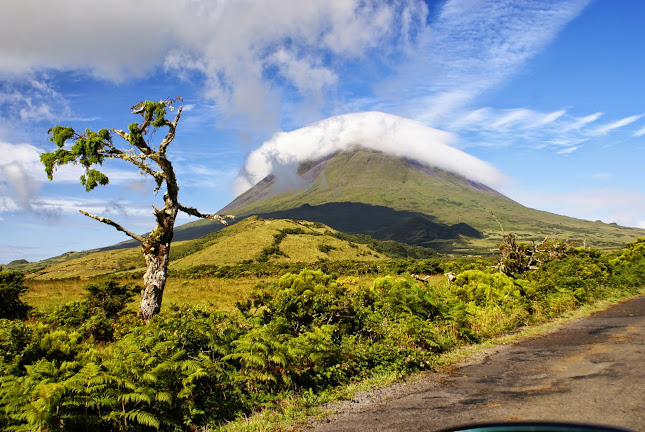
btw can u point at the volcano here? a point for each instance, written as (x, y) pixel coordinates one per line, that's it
(390, 198)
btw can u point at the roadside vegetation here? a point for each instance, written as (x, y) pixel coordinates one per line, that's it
(300, 333)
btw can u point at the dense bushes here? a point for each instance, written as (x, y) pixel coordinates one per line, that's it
(346, 267)
(92, 365)
(94, 315)
(11, 287)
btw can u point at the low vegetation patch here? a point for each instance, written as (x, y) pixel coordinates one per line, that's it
(92, 364)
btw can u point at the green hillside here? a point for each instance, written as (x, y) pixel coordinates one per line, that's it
(252, 240)
(387, 197)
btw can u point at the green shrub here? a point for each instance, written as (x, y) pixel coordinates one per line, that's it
(584, 275)
(484, 289)
(109, 298)
(325, 248)
(11, 287)
(95, 315)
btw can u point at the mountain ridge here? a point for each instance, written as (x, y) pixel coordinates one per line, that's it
(426, 196)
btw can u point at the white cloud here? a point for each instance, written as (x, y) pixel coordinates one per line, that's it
(303, 73)
(501, 121)
(568, 150)
(7, 204)
(373, 130)
(521, 127)
(29, 106)
(582, 121)
(513, 117)
(471, 47)
(101, 207)
(639, 132)
(236, 46)
(526, 127)
(616, 125)
(239, 42)
(549, 118)
(20, 175)
(110, 39)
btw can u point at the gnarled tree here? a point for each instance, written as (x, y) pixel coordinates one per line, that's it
(92, 148)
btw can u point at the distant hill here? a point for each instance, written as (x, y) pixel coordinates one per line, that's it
(389, 198)
(252, 240)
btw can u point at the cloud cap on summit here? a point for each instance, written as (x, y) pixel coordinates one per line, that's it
(372, 130)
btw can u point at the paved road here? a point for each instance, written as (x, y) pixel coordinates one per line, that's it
(592, 370)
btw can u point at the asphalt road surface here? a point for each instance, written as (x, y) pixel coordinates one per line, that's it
(591, 370)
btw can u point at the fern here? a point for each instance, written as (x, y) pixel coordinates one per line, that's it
(143, 418)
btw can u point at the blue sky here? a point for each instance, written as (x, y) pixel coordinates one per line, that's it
(541, 99)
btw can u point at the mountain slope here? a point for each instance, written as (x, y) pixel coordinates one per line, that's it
(253, 239)
(372, 193)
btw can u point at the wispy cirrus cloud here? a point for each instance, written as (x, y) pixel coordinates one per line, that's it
(32, 100)
(616, 125)
(525, 127)
(639, 132)
(568, 150)
(471, 47)
(582, 121)
(517, 127)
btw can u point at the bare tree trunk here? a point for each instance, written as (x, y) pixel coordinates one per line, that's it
(156, 251)
(154, 281)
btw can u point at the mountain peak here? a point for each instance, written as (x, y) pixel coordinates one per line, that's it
(393, 135)
(364, 191)
(357, 175)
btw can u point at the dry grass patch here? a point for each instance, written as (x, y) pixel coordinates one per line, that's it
(96, 264)
(309, 248)
(48, 295)
(215, 293)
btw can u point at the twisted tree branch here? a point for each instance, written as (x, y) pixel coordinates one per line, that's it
(193, 212)
(122, 134)
(115, 225)
(171, 133)
(126, 136)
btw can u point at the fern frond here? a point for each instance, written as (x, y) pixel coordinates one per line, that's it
(143, 418)
(165, 397)
(135, 398)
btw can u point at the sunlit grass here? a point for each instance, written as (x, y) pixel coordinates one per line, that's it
(215, 293)
(219, 294)
(242, 242)
(47, 295)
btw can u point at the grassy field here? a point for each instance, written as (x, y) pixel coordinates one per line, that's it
(213, 293)
(218, 294)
